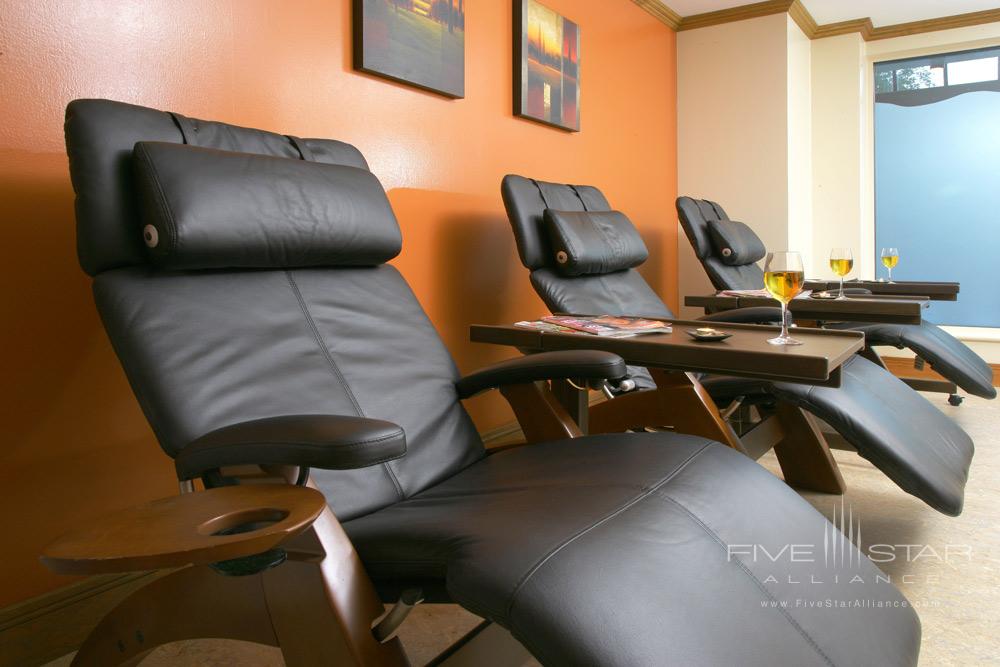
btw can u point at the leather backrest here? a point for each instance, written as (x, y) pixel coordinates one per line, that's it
(204, 349)
(695, 216)
(203, 208)
(526, 200)
(618, 293)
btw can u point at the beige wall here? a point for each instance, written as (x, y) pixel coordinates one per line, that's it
(800, 148)
(744, 124)
(730, 78)
(839, 156)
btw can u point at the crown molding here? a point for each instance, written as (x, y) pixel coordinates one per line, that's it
(668, 16)
(862, 26)
(741, 13)
(934, 25)
(803, 18)
(798, 13)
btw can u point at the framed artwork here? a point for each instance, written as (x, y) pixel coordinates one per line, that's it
(546, 66)
(419, 42)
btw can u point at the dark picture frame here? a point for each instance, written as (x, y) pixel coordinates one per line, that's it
(417, 42)
(546, 66)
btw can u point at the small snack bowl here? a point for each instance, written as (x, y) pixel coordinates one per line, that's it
(708, 334)
(823, 295)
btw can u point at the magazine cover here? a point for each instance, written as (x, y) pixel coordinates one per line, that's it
(609, 325)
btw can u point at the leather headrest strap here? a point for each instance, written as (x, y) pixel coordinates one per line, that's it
(187, 127)
(579, 196)
(541, 193)
(304, 151)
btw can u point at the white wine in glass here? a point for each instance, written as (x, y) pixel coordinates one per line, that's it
(890, 258)
(841, 262)
(783, 278)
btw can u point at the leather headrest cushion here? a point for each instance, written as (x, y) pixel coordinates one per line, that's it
(203, 208)
(735, 243)
(593, 242)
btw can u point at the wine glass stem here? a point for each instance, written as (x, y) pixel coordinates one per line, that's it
(841, 287)
(784, 320)
(890, 274)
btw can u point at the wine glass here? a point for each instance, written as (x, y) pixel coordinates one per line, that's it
(841, 261)
(783, 278)
(890, 258)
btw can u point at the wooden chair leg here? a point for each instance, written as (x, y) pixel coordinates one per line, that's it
(322, 609)
(190, 603)
(803, 453)
(679, 401)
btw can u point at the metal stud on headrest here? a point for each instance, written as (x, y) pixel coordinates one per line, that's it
(726, 252)
(562, 257)
(150, 236)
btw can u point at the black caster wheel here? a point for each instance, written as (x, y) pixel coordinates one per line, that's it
(955, 399)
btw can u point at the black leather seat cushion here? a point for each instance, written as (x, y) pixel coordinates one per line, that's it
(679, 585)
(946, 354)
(916, 445)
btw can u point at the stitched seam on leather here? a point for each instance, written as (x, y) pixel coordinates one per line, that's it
(336, 369)
(784, 612)
(161, 201)
(544, 559)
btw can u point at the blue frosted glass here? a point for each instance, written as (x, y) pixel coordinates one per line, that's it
(937, 199)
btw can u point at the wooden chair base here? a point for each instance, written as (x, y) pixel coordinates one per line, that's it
(318, 606)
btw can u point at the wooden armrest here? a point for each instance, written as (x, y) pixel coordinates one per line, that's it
(186, 529)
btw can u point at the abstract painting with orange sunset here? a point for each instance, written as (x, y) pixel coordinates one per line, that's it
(547, 74)
(419, 42)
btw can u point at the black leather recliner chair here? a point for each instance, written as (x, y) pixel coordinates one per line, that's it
(888, 423)
(264, 293)
(946, 354)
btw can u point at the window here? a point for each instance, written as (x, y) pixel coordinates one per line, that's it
(942, 71)
(972, 71)
(937, 170)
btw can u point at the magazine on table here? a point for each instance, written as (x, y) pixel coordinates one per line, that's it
(608, 326)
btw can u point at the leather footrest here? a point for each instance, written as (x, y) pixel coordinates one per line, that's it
(898, 430)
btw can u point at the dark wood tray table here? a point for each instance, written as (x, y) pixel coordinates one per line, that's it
(935, 291)
(679, 402)
(746, 354)
(895, 309)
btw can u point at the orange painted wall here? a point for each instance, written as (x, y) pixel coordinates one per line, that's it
(73, 443)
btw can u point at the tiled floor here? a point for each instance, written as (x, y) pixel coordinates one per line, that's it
(958, 596)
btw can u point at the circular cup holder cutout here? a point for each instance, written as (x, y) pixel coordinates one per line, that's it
(242, 521)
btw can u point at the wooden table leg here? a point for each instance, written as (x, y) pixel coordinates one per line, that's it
(803, 453)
